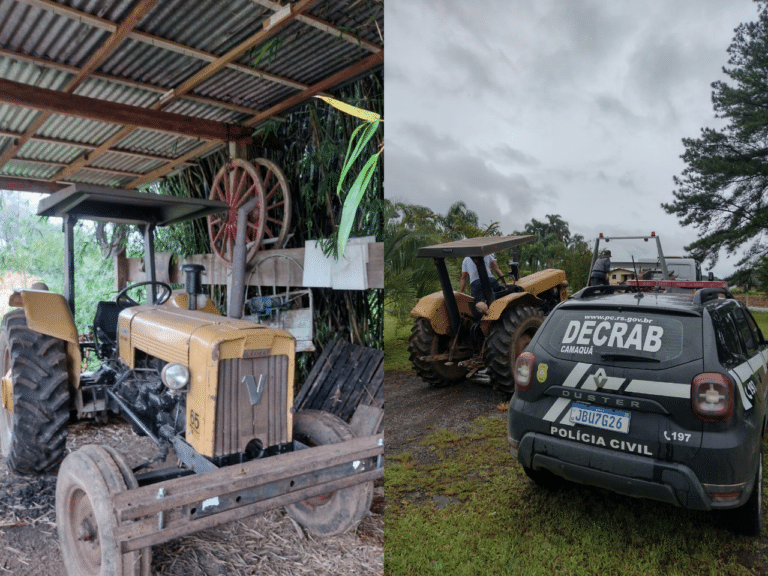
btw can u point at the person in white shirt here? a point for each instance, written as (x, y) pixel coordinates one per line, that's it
(469, 274)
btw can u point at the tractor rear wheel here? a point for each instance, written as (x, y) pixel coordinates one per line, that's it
(85, 520)
(425, 341)
(35, 397)
(337, 512)
(508, 338)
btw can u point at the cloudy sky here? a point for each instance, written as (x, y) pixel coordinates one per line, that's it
(569, 107)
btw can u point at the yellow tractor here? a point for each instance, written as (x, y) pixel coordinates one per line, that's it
(216, 391)
(454, 339)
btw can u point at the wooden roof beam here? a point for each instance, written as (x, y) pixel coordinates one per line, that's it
(357, 68)
(94, 168)
(114, 40)
(52, 101)
(30, 185)
(326, 27)
(86, 146)
(146, 38)
(126, 82)
(269, 27)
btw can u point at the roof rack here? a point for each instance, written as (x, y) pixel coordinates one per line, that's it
(605, 289)
(707, 294)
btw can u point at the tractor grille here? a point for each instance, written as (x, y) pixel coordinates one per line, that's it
(238, 419)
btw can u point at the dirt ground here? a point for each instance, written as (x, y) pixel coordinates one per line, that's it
(267, 544)
(415, 410)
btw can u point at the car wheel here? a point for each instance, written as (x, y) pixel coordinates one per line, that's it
(747, 520)
(544, 478)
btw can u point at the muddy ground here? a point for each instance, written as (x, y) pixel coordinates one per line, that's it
(267, 544)
(415, 410)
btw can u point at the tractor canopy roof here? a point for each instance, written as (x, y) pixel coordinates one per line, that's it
(480, 246)
(88, 202)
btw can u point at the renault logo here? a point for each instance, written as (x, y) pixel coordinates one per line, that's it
(600, 378)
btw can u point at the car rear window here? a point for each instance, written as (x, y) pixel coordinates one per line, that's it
(655, 340)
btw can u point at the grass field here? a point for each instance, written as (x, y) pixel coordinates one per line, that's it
(396, 345)
(497, 523)
(762, 320)
(468, 509)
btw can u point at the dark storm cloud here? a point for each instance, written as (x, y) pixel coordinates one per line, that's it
(662, 65)
(466, 71)
(425, 140)
(505, 153)
(627, 180)
(611, 108)
(439, 180)
(420, 138)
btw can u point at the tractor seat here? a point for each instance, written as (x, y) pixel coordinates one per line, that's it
(105, 321)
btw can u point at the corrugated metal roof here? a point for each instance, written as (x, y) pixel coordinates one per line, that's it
(161, 72)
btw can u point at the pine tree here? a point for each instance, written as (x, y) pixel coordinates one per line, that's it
(723, 190)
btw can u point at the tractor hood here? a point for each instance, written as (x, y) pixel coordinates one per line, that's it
(177, 335)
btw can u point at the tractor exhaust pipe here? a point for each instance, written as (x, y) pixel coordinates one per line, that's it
(237, 297)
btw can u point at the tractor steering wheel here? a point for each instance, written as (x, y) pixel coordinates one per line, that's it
(125, 301)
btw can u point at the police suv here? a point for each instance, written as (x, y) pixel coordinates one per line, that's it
(654, 395)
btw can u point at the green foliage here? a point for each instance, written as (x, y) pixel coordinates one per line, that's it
(364, 133)
(466, 508)
(396, 344)
(313, 143)
(30, 244)
(266, 51)
(408, 227)
(722, 190)
(460, 222)
(35, 246)
(406, 277)
(555, 247)
(762, 321)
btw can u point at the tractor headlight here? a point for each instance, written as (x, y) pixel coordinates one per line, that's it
(175, 376)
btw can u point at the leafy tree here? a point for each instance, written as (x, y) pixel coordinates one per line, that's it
(459, 222)
(722, 190)
(552, 239)
(554, 247)
(408, 227)
(406, 277)
(30, 244)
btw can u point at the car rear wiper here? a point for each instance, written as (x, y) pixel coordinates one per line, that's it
(629, 357)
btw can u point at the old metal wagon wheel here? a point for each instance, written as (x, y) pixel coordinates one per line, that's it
(278, 203)
(236, 183)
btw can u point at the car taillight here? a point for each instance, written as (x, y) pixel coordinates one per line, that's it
(713, 397)
(524, 371)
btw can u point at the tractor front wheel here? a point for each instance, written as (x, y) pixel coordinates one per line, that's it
(425, 342)
(35, 397)
(508, 338)
(339, 511)
(85, 520)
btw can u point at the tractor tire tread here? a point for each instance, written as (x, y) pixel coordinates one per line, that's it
(513, 323)
(40, 398)
(421, 344)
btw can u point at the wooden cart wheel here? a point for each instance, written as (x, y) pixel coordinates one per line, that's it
(278, 203)
(236, 183)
